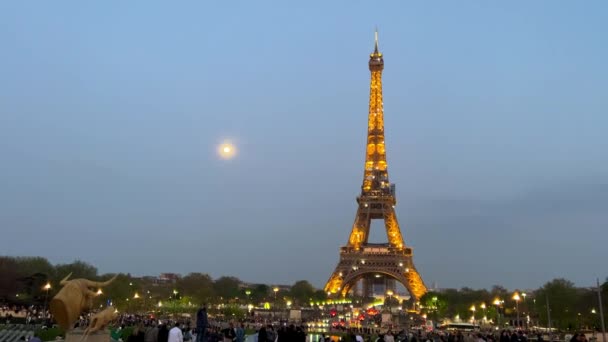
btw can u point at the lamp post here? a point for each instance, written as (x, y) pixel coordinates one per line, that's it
(497, 304)
(99, 293)
(593, 313)
(389, 293)
(248, 293)
(483, 306)
(473, 310)
(135, 297)
(275, 290)
(46, 288)
(147, 296)
(516, 298)
(526, 311)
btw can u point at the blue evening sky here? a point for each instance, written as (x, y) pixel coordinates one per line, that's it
(496, 121)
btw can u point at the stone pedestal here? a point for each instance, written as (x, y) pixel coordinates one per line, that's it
(98, 336)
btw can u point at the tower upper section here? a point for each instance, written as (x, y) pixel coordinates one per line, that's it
(376, 63)
(375, 179)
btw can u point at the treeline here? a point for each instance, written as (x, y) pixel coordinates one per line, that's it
(570, 307)
(23, 280)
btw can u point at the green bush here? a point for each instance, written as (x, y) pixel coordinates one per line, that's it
(50, 334)
(123, 334)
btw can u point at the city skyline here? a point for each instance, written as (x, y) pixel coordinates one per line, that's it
(111, 117)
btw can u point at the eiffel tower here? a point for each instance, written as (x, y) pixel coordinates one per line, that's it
(360, 259)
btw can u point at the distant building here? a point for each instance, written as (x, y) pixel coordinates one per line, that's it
(168, 278)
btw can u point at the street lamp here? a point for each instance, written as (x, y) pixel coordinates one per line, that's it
(497, 303)
(275, 290)
(523, 294)
(483, 306)
(516, 298)
(473, 310)
(248, 293)
(99, 293)
(46, 288)
(136, 296)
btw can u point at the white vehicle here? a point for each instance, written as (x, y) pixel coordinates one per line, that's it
(459, 326)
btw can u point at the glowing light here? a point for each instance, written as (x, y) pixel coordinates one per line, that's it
(226, 150)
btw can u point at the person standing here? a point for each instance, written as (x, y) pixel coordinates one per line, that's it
(151, 333)
(201, 324)
(175, 334)
(240, 333)
(229, 333)
(163, 333)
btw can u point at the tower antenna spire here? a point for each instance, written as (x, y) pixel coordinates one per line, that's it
(376, 40)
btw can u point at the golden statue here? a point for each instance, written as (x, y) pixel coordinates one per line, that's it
(74, 298)
(100, 320)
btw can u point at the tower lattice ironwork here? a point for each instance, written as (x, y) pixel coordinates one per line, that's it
(360, 259)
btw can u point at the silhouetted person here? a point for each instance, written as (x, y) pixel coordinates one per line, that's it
(163, 333)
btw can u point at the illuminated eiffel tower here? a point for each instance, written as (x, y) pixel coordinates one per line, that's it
(360, 259)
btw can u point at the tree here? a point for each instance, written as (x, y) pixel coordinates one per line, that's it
(9, 285)
(563, 298)
(118, 291)
(435, 304)
(499, 292)
(198, 286)
(79, 269)
(319, 296)
(259, 293)
(227, 287)
(302, 292)
(28, 266)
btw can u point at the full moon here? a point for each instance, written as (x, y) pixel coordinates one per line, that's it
(226, 150)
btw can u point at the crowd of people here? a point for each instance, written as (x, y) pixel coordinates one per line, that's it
(146, 328)
(31, 314)
(358, 335)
